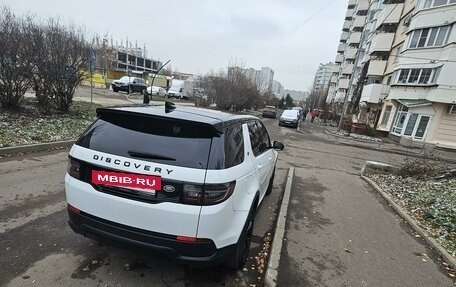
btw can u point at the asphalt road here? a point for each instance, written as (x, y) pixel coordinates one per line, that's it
(339, 231)
(37, 247)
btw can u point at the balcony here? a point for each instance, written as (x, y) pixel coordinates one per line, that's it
(341, 48)
(354, 38)
(372, 93)
(363, 5)
(349, 13)
(343, 83)
(376, 68)
(347, 69)
(344, 36)
(350, 53)
(391, 14)
(359, 21)
(339, 58)
(346, 26)
(381, 42)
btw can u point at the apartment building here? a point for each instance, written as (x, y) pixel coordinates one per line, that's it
(348, 50)
(263, 78)
(277, 88)
(386, 27)
(420, 108)
(323, 76)
(297, 96)
(402, 68)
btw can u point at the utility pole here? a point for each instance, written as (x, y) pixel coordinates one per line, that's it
(347, 94)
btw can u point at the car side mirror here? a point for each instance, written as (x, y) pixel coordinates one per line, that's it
(278, 145)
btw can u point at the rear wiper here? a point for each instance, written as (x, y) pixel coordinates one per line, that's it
(147, 155)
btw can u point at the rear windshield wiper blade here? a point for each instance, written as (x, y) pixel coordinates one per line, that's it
(147, 155)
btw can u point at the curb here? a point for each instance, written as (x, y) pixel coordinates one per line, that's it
(272, 271)
(393, 151)
(35, 147)
(446, 257)
(352, 138)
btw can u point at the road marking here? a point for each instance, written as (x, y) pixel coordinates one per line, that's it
(279, 233)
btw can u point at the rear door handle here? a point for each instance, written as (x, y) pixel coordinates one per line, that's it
(260, 165)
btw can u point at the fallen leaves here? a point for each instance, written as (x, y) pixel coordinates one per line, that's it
(431, 202)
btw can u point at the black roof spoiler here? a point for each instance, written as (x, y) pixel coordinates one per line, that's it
(216, 129)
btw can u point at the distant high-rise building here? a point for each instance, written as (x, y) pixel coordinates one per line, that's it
(323, 76)
(277, 88)
(263, 78)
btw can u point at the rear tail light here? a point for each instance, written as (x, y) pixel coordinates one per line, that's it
(73, 209)
(74, 168)
(190, 239)
(192, 193)
(207, 194)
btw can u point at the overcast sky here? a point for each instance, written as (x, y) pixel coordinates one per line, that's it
(203, 35)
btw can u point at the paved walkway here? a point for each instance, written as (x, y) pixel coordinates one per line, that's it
(339, 231)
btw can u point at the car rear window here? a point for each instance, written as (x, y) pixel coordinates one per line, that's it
(290, 113)
(165, 141)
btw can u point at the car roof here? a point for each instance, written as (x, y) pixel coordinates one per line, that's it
(186, 113)
(290, 112)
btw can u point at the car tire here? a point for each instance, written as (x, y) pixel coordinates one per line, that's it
(238, 259)
(271, 184)
(115, 90)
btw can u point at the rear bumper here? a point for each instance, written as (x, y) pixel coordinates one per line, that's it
(202, 253)
(269, 114)
(289, 124)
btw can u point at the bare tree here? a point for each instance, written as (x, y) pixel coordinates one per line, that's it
(59, 65)
(14, 61)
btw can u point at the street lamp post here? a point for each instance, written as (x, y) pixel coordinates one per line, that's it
(146, 99)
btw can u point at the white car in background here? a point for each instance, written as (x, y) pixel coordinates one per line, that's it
(158, 91)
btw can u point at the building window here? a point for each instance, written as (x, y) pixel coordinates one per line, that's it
(430, 37)
(435, 3)
(423, 76)
(451, 109)
(400, 119)
(386, 115)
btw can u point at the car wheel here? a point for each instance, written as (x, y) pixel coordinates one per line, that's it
(280, 124)
(238, 259)
(271, 183)
(115, 90)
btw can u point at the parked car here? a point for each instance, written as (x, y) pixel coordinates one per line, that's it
(270, 112)
(135, 84)
(289, 118)
(299, 109)
(183, 181)
(157, 91)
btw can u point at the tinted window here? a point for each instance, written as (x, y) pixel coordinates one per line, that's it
(234, 146)
(156, 140)
(264, 136)
(259, 137)
(255, 138)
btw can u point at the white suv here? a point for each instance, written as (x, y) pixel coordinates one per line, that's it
(184, 181)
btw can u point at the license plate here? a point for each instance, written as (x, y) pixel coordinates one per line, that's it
(142, 182)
